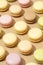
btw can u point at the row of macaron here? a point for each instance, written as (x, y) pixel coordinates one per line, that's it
(7, 21)
(16, 10)
(21, 27)
(11, 39)
(14, 58)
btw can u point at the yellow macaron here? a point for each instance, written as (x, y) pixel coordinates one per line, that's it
(2, 53)
(10, 0)
(35, 34)
(38, 6)
(20, 27)
(32, 63)
(40, 22)
(10, 39)
(3, 5)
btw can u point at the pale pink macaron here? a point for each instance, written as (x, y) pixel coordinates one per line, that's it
(6, 20)
(13, 59)
(24, 3)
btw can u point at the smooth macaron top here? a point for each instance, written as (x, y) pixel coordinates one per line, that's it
(25, 47)
(35, 36)
(5, 19)
(38, 54)
(40, 22)
(20, 27)
(15, 10)
(3, 5)
(2, 53)
(32, 63)
(10, 39)
(38, 5)
(24, 2)
(30, 16)
(13, 59)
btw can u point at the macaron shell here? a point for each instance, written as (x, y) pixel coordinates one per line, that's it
(24, 3)
(2, 53)
(13, 59)
(15, 10)
(38, 55)
(10, 41)
(40, 22)
(6, 21)
(32, 63)
(38, 6)
(20, 27)
(25, 48)
(30, 17)
(35, 36)
(3, 5)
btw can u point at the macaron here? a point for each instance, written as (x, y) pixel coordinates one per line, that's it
(38, 55)
(6, 21)
(29, 17)
(32, 63)
(38, 6)
(13, 59)
(40, 22)
(15, 10)
(24, 3)
(20, 27)
(10, 39)
(4, 5)
(11, 0)
(25, 47)
(2, 53)
(35, 34)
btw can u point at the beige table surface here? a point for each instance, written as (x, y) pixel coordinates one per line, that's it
(29, 58)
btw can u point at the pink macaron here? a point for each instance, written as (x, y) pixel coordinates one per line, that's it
(13, 59)
(24, 3)
(6, 20)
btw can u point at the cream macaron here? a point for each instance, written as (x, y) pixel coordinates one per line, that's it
(35, 34)
(38, 6)
(10, 39)
(38, 55)
(4, 5)
(40, 22)
(2, 53)
(32, 63)
(20, 27)
(25, 47)
(15, 10)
